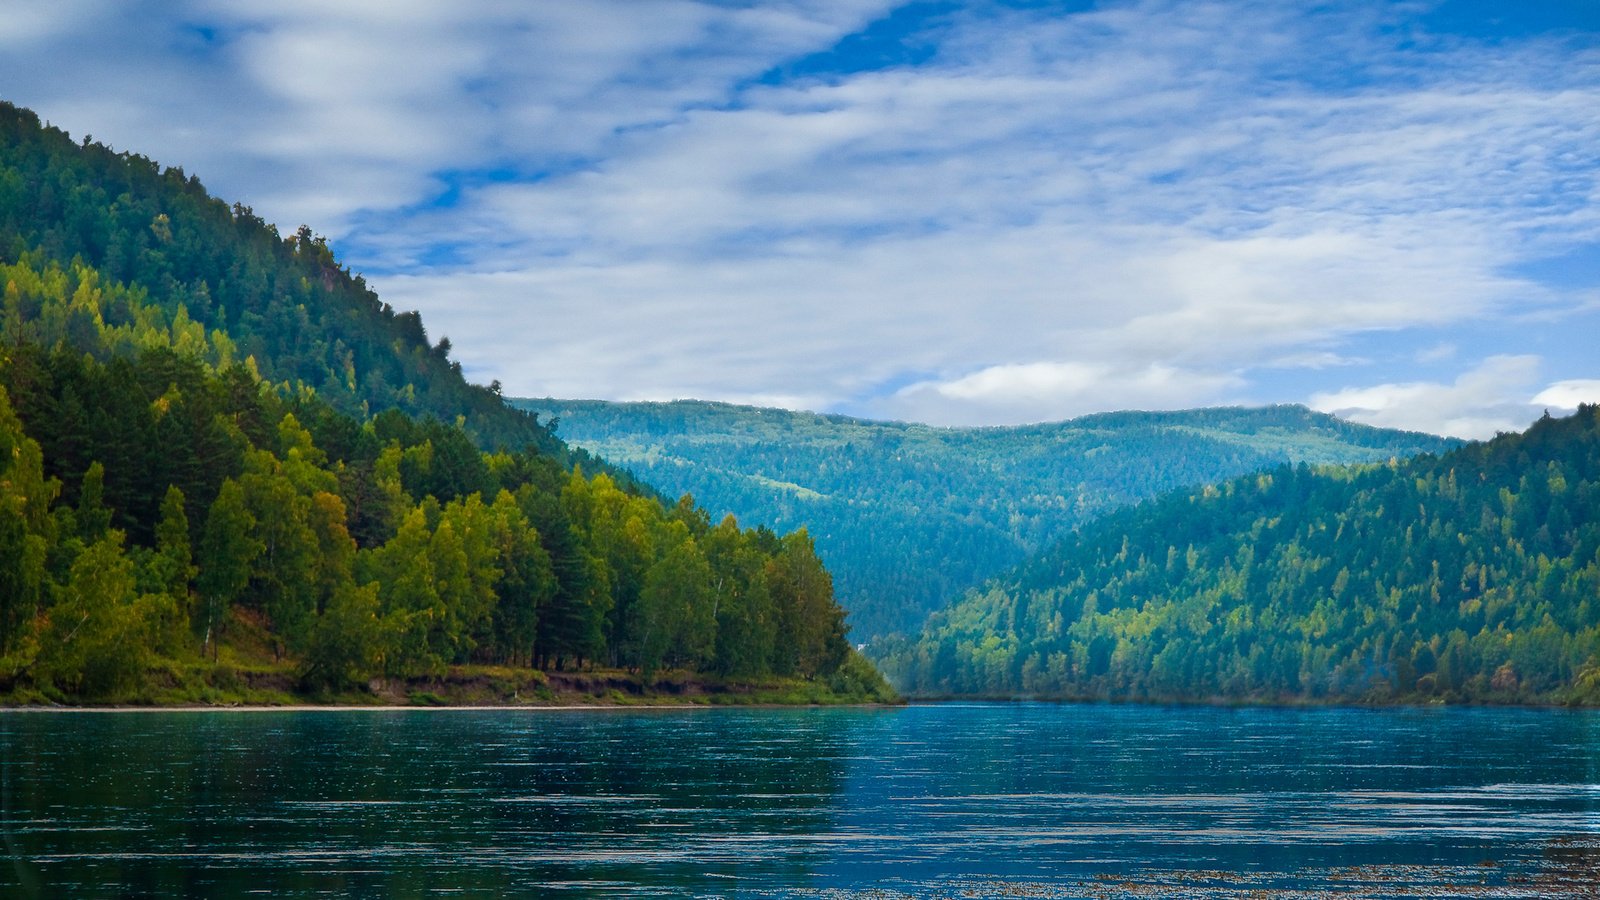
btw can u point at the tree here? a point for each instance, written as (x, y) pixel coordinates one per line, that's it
(97, 641)
(741, 602)
(94, 518)
(284, 575)
(527, 586)
(172, 569)
(408, 597)
(174, 560)
(347, 640)
(811, 624)
(228, 550)
(676, 622)
(26, 531)
(571, 623)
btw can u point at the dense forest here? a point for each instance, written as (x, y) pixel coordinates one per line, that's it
(908, 516)
(286, 306)
(1469, 576)
(219, 450)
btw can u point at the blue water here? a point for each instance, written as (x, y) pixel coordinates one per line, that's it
(954, 800)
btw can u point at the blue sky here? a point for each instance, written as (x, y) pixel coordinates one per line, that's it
(960, 213)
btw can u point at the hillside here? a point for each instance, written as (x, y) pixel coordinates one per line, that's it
(302, 319)
(225, 463)
(909, 516)
(1471, 576)
(221, 528)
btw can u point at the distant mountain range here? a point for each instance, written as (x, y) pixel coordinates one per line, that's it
(909, 516)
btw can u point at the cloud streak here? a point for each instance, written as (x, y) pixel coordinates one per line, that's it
(1047, 213)
(1494, 397)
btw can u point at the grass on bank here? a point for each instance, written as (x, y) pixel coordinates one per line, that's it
(238, 678)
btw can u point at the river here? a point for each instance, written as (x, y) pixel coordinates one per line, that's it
(948, 800)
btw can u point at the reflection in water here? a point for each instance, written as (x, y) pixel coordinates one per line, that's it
(980, 800)
(405, 803)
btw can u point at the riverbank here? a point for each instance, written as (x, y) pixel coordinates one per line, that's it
(1372, 700)
(276, 686)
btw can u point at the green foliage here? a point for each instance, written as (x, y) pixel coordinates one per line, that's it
(908, 516)
(172, 568)
(859, 681)
(228, 550)
(346, 642)
(108, 242)
(811, 625)
(606, 575)
(27, 533)
(675, 608)
(1470, 576)
(95, 641)
(190, 469)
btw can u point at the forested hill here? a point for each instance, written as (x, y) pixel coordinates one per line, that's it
(213, 489)
(909, 516)
(1471, 576)
(284, 301)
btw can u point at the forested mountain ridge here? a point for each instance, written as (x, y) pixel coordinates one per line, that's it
(1469, 576)
(909, 516)
(175, 522)
(284, 302)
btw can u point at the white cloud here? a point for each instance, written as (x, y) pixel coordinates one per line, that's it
(1314, 359)
(1480, 403)
(331, 113)
(1440, 352)
(1033, 381)
(1153, 203)
(1010, 206)
(1569, 394)
(1043, 391)
(27, 22)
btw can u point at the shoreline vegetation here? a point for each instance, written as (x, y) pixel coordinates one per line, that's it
(276, 687)
(1413, 701)
(693, 693)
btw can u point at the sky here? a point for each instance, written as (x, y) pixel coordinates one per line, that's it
(958, 213)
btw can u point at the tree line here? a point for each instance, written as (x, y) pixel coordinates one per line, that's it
(1469, 576)
(158, 507)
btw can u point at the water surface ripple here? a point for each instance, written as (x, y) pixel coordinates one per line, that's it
(949, 800)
